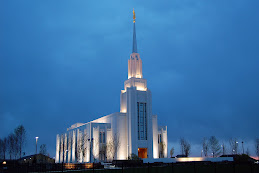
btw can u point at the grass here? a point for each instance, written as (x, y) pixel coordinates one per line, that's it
(181, 168)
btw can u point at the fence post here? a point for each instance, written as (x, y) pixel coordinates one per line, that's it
(172, 167)
(122, 168)
(234, 167)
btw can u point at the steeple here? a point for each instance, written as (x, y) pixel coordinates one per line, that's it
(134, 49)
(134, 63)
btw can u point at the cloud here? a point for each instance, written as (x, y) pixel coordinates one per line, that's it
(66, 62)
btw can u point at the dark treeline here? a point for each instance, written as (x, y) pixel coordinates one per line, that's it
(12, 145)
(213, 147)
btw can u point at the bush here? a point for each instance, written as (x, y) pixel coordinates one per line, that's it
(134, 157)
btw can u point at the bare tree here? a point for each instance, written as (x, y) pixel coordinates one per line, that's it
(214, 146)
(113, 146)
(205, 146)
(102, 151)
(185, 146)
(85, 143)
(223, 148)
(134, 157)
(233, 145)
(20, 134)
(11, 145)
(247, 152)
(4, 147)
(82, 145)
(257, 147)
(79, 147)
(16, 146)
(187, 149)
(1, 149)
(182, 144)
(161, 149)
(172, 152)
(43, 149)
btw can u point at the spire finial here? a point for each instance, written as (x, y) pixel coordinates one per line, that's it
(134, 17)
(134, 50)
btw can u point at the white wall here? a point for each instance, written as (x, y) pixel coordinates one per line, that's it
(155, 137)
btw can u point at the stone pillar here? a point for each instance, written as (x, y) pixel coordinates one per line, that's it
(74, 147)
(61, 148)
(69, 147)
(85, 139)
(79, 147)
(65, 148)
(57, 148)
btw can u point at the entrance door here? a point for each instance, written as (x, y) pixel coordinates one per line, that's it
(142, 153)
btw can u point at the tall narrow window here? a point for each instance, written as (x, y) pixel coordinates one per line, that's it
(142, 121)
(159, 138)
(102, 137)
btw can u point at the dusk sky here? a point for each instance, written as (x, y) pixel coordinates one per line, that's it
(63, 62)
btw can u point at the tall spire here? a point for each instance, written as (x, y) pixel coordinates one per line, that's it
(134, 49)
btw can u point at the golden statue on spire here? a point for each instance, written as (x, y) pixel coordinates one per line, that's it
(134, 17)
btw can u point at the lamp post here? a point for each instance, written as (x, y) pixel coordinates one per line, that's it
(236, 146)
(36, 142)
(243, 147)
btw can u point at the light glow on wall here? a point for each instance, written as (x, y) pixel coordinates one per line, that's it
(155, 153)
(121, 156)
(141, 88)
(190, 159)
(123, 111)
(138, 76)
(70, 166)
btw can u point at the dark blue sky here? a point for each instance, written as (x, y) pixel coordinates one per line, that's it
(63, 62)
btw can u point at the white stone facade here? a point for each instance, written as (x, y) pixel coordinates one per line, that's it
(133, 130)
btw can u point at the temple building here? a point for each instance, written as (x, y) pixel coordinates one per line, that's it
(131, 132)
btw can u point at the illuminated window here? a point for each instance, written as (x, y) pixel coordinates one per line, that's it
(142, 121)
